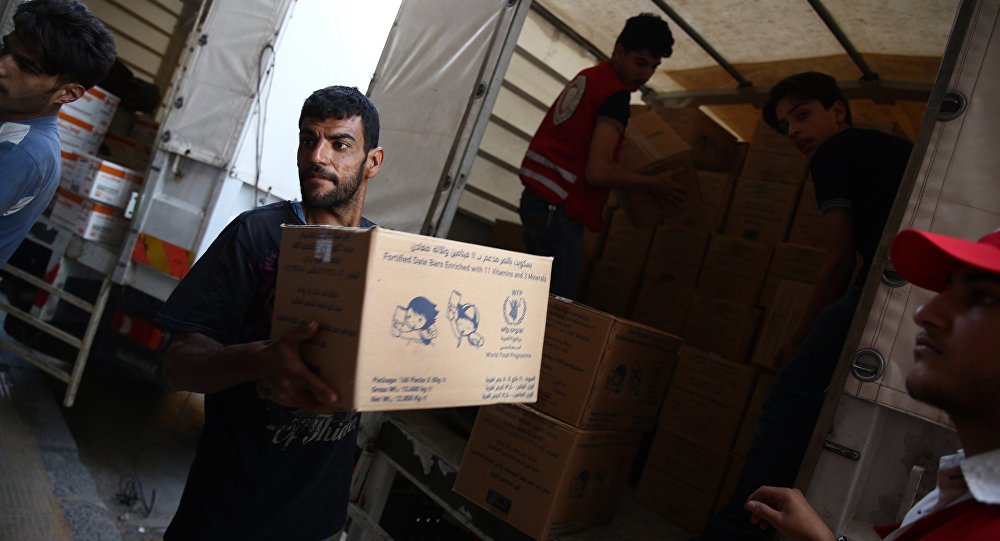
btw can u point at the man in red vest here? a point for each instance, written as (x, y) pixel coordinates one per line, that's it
(571, 161)
(957, 369)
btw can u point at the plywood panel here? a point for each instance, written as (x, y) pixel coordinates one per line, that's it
(517, 111)
(504, 144)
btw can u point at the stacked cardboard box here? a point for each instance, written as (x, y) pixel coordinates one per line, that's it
(613, 280)
(652, 147)
(543, 476)
(91, 193)
(713, 147)
(731, 275)
(83, 123)
(87, 218)
(129, 141)
(561, 465)
(700, 419)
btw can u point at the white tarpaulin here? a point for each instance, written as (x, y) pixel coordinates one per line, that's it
(216, 94)
(426, 90)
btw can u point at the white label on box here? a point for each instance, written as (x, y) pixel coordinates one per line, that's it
(324, 248)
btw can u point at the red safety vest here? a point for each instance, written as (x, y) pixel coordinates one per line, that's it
(553, 168)
(968, 521)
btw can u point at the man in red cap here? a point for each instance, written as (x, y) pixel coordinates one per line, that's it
(957, 369)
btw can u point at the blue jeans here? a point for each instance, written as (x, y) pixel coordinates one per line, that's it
(788, 419)
(548, 231)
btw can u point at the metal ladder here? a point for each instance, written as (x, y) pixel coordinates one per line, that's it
(70, 373)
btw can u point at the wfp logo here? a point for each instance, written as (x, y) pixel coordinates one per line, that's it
(514, 309)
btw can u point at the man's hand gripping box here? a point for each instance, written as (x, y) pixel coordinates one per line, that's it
(408, 321)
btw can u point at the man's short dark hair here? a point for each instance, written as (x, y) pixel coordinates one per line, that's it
(72, 43)
(343, 102)
(810, 85)
(647, 31)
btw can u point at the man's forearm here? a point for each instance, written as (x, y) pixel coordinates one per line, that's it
(197, 363)
(614, 175)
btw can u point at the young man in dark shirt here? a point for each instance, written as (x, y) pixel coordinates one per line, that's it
(856, 173)
(275, 455)
(572, 160)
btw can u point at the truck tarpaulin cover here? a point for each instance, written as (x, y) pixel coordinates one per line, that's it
(215, 95)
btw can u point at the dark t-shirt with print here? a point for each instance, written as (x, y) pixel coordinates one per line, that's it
(262, 471)
(860, 170)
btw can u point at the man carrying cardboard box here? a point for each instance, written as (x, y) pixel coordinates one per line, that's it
(856, 173)
(57, 50)
(275, 455)
(572, 160)
(956, 368)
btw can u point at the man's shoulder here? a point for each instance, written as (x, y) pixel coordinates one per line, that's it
(867, 138)
(34, 136)
(30, 150)
(858, 142)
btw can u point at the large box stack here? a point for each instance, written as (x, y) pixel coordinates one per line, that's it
(561, 465)
(93, 191)
(731, 274)
(709, 276)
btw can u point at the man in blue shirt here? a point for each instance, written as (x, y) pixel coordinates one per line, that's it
(58, 50)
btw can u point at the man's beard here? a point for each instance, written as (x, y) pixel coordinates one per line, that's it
(343, 192)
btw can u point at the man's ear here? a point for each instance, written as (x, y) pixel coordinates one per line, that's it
(374, 162)
(69, 92)
(839, 110)
(618, 53)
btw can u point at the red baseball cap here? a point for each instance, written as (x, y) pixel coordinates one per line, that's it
(926, 259)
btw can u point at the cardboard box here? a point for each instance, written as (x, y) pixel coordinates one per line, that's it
(734, 269)
(675, 257)
(663, 306)
(125, 151)
(649, 142)
(86, 218)
(612, 287)
(103, 181)
(707, 398)
(761, 210)
(756, 404)
(626, 244)
(68, 158)
(720, 326)
(144, 131)
(716, 189)
(729, 482)
(781, 319)
(603, 372)
(791, 262)
(542, 476)
(408, 321)
(652, 147)
(807, 226)
(767, 139)
(96, 107)
(775, 166)
(713, 147)
(681, 479)
(78, 134)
